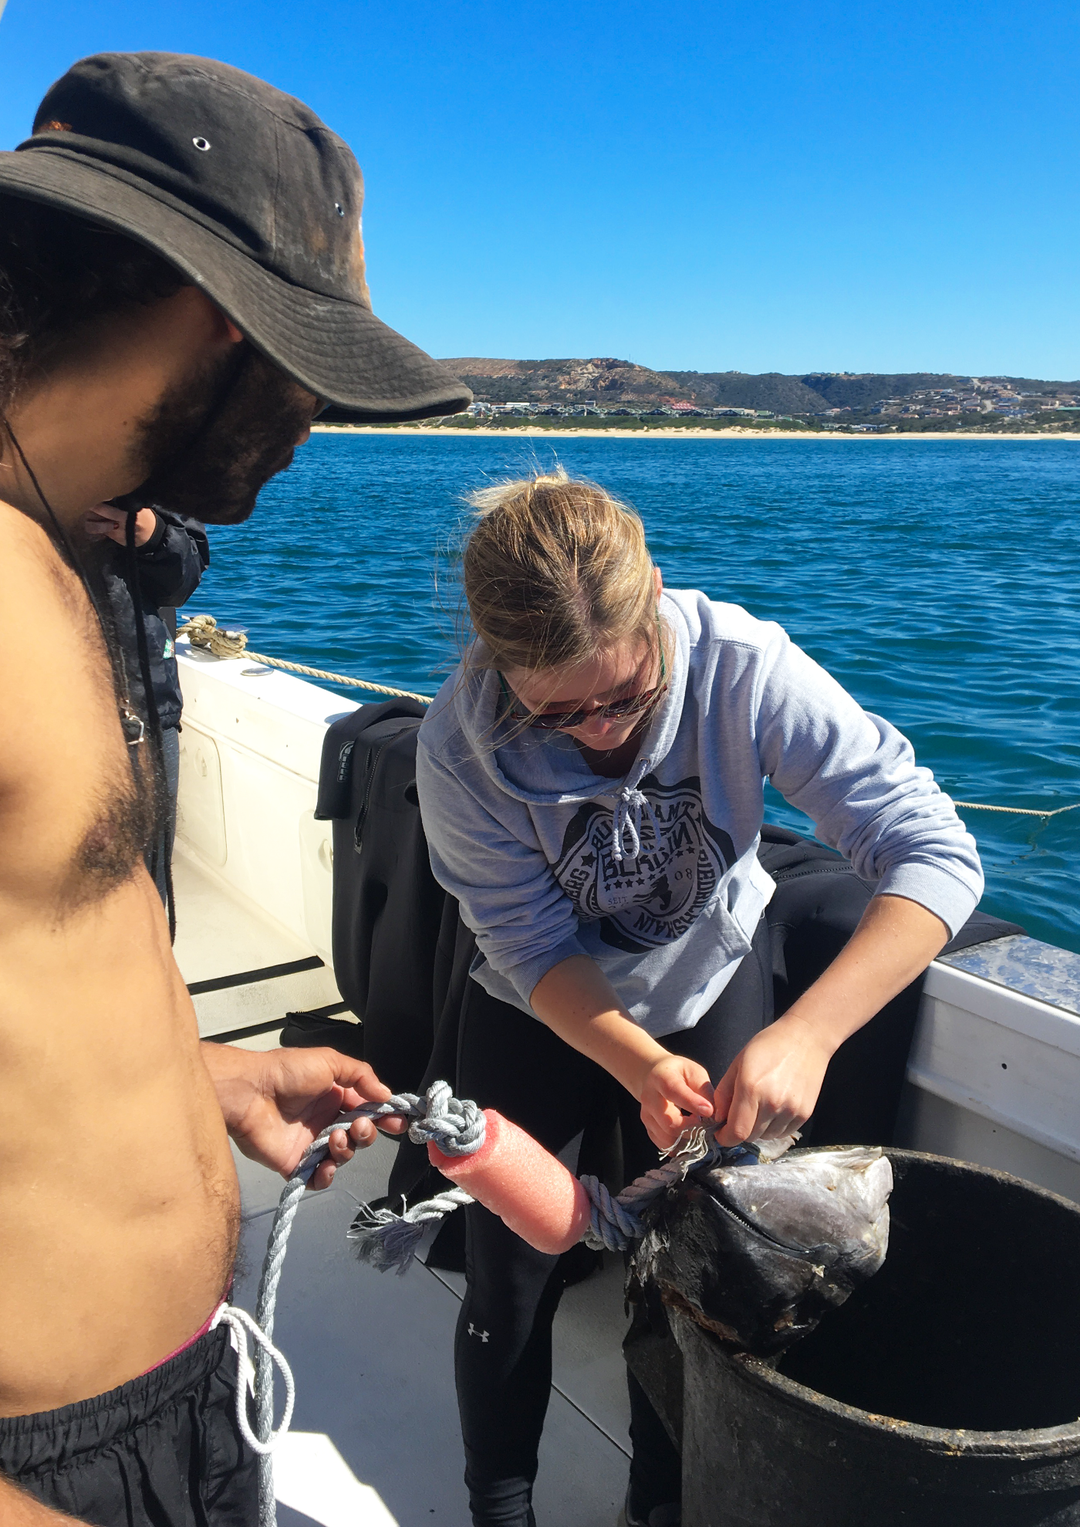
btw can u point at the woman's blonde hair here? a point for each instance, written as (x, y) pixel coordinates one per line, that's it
(556, 571)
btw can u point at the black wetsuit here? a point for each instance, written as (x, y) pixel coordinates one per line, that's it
(170, 566)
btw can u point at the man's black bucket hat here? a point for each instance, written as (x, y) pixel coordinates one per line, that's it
(248, 193)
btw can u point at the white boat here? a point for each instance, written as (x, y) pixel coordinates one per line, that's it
(993, 1078)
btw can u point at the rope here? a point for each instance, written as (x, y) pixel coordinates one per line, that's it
(204, 632)
(617, 1221)
(1019, 811)
(389, 1241)
(458, 1129)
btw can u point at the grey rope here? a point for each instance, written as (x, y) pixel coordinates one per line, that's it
(457, 1128)
(388, 1241)
(616, 1221)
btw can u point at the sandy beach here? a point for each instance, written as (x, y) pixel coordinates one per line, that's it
(735, 433)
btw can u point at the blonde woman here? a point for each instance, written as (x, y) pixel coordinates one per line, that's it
(591, 787)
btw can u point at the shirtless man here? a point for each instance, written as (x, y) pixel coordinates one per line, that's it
(181, 350)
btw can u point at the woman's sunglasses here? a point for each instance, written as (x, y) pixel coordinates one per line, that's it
(564, 720)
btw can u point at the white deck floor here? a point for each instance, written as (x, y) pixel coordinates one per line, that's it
(375, 1435)
(217, 936)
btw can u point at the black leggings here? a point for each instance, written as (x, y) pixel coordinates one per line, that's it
(511, 1062)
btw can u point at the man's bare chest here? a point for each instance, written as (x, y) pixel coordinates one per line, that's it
(76, 804)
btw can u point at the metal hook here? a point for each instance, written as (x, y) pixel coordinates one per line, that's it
(132, 725)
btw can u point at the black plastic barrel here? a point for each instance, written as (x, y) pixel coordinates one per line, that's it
(944, 1393)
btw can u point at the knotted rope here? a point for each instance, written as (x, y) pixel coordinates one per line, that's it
(388, 1241)
(616, 1221)
(457, 1128)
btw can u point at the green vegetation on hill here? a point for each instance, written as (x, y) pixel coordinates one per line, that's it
(736, 389)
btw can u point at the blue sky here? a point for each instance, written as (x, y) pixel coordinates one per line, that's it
(708, 186)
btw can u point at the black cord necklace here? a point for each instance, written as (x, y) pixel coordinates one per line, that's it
(131, 723)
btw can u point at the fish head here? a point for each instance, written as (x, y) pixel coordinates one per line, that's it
(758, 1253)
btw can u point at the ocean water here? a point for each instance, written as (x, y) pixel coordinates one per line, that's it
(938, 582)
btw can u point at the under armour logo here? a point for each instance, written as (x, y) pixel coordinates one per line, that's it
(483, 1335)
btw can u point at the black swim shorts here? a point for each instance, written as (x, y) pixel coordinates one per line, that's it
(163, 1450)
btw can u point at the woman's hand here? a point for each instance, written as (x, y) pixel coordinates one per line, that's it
(674, 1087)
(771, 1087)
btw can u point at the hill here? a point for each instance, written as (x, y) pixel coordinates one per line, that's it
(602, 379)
(612, 383)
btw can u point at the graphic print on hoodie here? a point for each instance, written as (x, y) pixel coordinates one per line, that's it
(643, 900)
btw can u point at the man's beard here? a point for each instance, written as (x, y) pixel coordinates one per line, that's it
(216, 438)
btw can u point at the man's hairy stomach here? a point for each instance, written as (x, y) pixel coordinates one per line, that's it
(119, 1207)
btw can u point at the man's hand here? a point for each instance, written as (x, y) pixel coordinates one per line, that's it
(673, 1088)
(106, 520)
(275, 1102)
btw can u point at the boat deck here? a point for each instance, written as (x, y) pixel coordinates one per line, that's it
(375, 1435)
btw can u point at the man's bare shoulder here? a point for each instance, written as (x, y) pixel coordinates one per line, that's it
(49, 641)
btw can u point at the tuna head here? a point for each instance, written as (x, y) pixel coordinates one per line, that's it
(758, 1253)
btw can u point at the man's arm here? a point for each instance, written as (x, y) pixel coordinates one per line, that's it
(173, 552)
(275, 1102)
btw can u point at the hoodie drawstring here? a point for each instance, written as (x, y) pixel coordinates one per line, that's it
(626, 823)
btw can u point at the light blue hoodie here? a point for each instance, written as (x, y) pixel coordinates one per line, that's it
(657, 877)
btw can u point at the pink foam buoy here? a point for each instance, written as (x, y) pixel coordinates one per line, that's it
(524, 1184)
